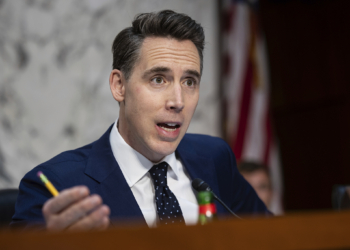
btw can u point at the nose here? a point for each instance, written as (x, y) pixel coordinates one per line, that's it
(175, 99)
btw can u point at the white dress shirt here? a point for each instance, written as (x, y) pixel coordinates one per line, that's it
(135, 167)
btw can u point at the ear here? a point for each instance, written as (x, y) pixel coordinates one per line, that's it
(117, 85)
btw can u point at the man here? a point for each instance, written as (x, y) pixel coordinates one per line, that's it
(157, 67)
(257, 176)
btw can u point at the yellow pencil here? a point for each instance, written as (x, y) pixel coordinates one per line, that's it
(48, 184)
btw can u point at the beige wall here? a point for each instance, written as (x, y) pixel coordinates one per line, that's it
(55, 62)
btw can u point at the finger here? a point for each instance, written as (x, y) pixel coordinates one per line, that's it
(75, 212)
(64, 199)
(98, 219)
(105, 224)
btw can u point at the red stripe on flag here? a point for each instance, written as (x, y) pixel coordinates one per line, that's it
(226, 64)
(238, 142)
(268, 141)
(228, 17)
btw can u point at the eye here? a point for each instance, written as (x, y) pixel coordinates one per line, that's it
(190, 82)
(158, 80)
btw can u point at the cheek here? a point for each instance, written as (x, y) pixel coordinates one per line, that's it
(142, 103)
(135, 99)
(138, 90)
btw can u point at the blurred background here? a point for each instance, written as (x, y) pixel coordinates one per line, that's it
(275, 85)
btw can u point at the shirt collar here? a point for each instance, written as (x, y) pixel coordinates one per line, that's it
(133, 164)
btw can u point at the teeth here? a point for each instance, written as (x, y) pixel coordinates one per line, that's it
(169, 129)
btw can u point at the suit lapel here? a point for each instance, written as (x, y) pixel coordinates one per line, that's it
(112, 187)
(198, 166)
(202, 167)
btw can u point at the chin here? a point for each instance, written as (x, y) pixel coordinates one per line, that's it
(165, 148)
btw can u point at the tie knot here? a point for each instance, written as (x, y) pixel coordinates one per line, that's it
(158, 173)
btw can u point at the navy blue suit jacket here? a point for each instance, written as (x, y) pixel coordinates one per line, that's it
(94, 165)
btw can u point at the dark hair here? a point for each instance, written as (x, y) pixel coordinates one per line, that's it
(167, 23)
(249, 167)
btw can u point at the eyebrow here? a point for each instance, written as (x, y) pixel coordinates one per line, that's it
(160, 69)
(156, 70)
(194, 73)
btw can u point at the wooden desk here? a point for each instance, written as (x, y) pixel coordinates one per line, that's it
(321, 230)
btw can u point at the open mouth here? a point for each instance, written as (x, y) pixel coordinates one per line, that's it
(170, 127)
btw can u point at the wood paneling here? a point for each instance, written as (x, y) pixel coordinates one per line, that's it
(298, 231)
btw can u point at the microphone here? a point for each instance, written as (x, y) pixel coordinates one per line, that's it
(200, 185)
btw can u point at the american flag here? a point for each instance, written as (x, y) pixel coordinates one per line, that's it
(246, 87)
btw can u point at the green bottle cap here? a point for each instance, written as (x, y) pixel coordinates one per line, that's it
(204, 197)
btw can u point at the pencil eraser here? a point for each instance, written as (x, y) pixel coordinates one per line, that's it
(39, 173)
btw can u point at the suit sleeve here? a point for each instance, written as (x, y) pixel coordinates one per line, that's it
(238, 193)
(31, 198)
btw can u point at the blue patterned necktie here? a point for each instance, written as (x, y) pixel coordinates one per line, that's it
(168, 207)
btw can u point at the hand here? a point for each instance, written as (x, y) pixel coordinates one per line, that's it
(75, 209)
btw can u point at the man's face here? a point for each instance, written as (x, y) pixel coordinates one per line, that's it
(260, 181)
(160, 97)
